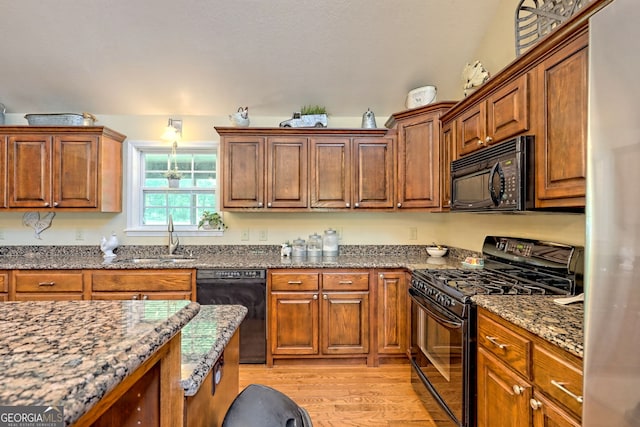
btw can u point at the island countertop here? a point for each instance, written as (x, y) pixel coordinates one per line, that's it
(72, 353)
(204, 339)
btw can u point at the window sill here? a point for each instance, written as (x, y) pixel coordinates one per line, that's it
(180, 231)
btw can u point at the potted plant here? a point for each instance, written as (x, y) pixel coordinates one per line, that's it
(173, 176)
(211, 221)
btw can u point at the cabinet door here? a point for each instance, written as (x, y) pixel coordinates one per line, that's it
(561, 144)
(471, 129)
(29, 171)
(447, 155)
(242, 172)
(294, 323)
(287, 175)
(345, 323)
(508, 111)
(373, 172)
(3, 171)
(503, 397)
(419, 162)
(330, 173)
(392, 312)
(548, 414)
(75, 171)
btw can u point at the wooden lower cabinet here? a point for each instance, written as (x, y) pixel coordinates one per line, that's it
(318, 315)
(142, 284)
(391, 314)
(46, 285)
(524, 380)
(209, 405)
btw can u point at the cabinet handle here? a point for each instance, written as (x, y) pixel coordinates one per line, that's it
(145, 297)
(518, 389)
(535, 404)
(46, 204)
(55, 204)
(294, 282)
(493, 341)
(260, 204)
(269, 204)
(479, 142)
(399, 204)
(488, 140)
(357, 205)
(345, 282)
(567, 391)
(47, 283)
(325, 296)
(134, 297)
(315, 296)
(348, 205)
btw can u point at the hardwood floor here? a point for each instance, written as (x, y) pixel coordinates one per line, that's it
(346, 396)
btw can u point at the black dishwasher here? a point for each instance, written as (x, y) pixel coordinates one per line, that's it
(247, 287)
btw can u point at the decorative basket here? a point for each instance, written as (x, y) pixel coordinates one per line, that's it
(61, 119)
(536, 18)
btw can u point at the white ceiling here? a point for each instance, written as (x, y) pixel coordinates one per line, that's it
(197, 57)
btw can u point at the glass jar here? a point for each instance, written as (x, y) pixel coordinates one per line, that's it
(314, 247)
(330, 243)
(299, 248)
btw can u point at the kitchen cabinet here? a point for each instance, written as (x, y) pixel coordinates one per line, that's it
(170, 284)
(500, 115)
(391, 314)
(209, 405)
(302, 169)
(3, 172)
(419, 156)
(4, 286)
(524, 380)
(447, 155)
(39, 285)
(561, 137)
(318, 314)
(72, 168)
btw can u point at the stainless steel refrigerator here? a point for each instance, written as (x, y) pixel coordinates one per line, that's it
(612, 307)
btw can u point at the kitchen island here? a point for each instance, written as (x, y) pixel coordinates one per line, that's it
(84, 356)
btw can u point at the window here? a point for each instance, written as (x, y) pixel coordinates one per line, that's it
(151, 199)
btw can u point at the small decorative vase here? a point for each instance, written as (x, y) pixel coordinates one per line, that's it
(174, 182)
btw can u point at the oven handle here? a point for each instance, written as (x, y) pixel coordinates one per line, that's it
(434, 311)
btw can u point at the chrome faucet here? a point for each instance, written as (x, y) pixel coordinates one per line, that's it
(173, 244)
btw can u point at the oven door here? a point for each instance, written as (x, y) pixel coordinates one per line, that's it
(441, 362)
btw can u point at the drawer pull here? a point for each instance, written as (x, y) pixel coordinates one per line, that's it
(315, 296)
(535, 404)
(493, 341)
(567, 391)
(518, 389)
(294, 282)
(47, 283)
(346, 282)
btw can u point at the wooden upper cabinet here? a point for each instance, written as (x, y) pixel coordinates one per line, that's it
(373, 175)
(242, 171)
(287, 176)
(561, 139)
(76, 168)
(501, 115)
(447, 155)
(330, 172)
(3, 171)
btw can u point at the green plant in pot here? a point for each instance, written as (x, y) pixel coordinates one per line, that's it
(211, 220)
(173, 176)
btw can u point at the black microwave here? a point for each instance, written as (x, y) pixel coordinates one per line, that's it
(498, 178)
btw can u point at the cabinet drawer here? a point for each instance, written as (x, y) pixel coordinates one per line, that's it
(558, 378)
(345, 281)
(505, 344)
(50, 281)
(142, 281)
(282, 281)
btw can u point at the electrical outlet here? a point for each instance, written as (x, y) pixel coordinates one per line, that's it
(79, 234)
(262, 235)
(244, 234)
(413, 233)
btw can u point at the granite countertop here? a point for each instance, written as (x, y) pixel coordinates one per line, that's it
(230, 256)
(71, 353)
(561, 325)
(204, 339)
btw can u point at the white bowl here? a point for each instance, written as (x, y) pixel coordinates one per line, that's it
(434, 251)
(421, 96)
